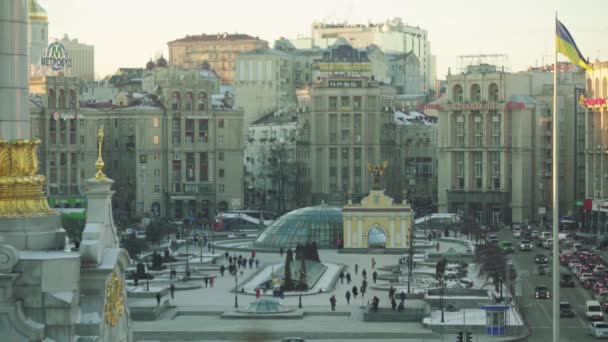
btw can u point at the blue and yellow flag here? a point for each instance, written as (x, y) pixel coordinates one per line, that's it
(564, 43)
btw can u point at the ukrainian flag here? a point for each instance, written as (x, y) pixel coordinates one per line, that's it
(564, 43)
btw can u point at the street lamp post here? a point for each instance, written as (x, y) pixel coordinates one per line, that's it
(441, 287)
(187, 256)
(300, 298)
(236, 289)
(201, 252)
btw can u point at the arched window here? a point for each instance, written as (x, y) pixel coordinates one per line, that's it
(202, 101)
(61, 98)
(475, 93)
(52, 99)
(589, 88)
(175, 101)
(457, 93)
(189, 100)
(72, 101)
(605, 87)
(596, 88)
(493, 92)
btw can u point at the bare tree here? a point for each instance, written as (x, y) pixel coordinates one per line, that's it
(282, 170)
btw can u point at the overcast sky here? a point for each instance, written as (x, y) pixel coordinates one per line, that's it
(126, 33)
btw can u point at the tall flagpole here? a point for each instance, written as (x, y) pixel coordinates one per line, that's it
(555, 196)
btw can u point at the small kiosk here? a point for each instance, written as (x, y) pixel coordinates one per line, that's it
(497, 318)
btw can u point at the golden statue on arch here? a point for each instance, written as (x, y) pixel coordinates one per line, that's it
(377, 171)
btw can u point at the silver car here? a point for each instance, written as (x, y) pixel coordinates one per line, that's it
(599, 329)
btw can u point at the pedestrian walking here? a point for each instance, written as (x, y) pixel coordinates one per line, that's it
(258, 292)
(363, 290)
(364, 283)
(332, 300)
(375, 276)
(402, 296)
(364, 273)
(348, 278)
(253, 254)
(251, 262)
(172, 289)
(393, 304)
(437, 246)
(158, 299)
(391, 292)
(281, 251)
(341, 277)
(226, 255)
(375, 303)
(355, 292)
(206, 281)
(211, 281)
(356, 268)
(347, 297)
(209, 247)
(373, 263)
(230, 260)
(257, 263)
(135, 280)
(401, 307)
(244, 262)
(222, 269)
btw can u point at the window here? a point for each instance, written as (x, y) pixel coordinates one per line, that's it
(203, 126)
(157, 188)
(143, 158)
(460, 130)
(496, 130)
(333, 103)
(177, 131)
(220, 156)
(82, 140)
(203, 167)
(221, 173)
(357, 103)
(156, 172)
(190, 176)
(220, 139)
(345, 102)
(189, 131)
(221, 188)
(478, 130)
(460, 170)
(156, 122)
(220, 123)
(155, 140)
(157, 156)
(478, 169)
(115, 122)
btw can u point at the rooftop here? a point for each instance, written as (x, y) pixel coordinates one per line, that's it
(277, 117)
(215, 37)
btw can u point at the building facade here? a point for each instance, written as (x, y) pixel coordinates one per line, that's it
(264, 82)
(270, 162)
(392, 36)
(495, 145)
(169, 152)
(219, 50)
(340, 130)
(83, 58)
(403, 73)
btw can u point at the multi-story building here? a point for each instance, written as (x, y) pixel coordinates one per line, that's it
(403, 73)
(343, 60)
(264, 82)
(341, 126)
(270, 162)
(392, 36)
(596, 147)
(82, 56)
(495, 145)
(169, 151)
(219, 50)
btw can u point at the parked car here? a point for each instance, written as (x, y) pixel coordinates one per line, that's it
(565, 310)
(525, 245)
(567, 280)
(542, 292)
(599, 329)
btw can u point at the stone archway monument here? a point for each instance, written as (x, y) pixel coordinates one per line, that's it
(377, 222)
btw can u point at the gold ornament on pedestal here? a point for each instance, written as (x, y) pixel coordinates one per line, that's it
(377, 171)
(21, 192)
(115, 300)
(99, 163)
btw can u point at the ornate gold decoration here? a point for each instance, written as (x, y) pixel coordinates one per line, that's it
(99, 163)
(377, 171)
(20, 186)
(115, 300)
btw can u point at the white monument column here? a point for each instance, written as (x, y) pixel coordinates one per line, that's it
(14, 92)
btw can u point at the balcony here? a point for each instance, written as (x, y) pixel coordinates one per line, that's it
(202, 188)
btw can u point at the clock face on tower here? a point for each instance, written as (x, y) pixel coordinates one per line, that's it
(115, 300)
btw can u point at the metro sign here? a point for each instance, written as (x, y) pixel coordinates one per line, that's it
(56, 57)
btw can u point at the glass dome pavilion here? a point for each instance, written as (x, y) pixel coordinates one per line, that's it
(321, 224)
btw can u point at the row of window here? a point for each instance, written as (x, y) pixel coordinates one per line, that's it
(475, 94)
(345, 103)
(190, 102)
(61, 101)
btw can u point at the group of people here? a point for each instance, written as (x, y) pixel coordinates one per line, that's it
(238, 262)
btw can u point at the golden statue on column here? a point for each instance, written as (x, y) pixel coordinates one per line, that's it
(99, 163)
(377, 171)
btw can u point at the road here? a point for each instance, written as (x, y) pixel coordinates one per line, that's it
(539, 311)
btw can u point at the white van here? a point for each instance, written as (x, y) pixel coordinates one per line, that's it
(593, 311)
